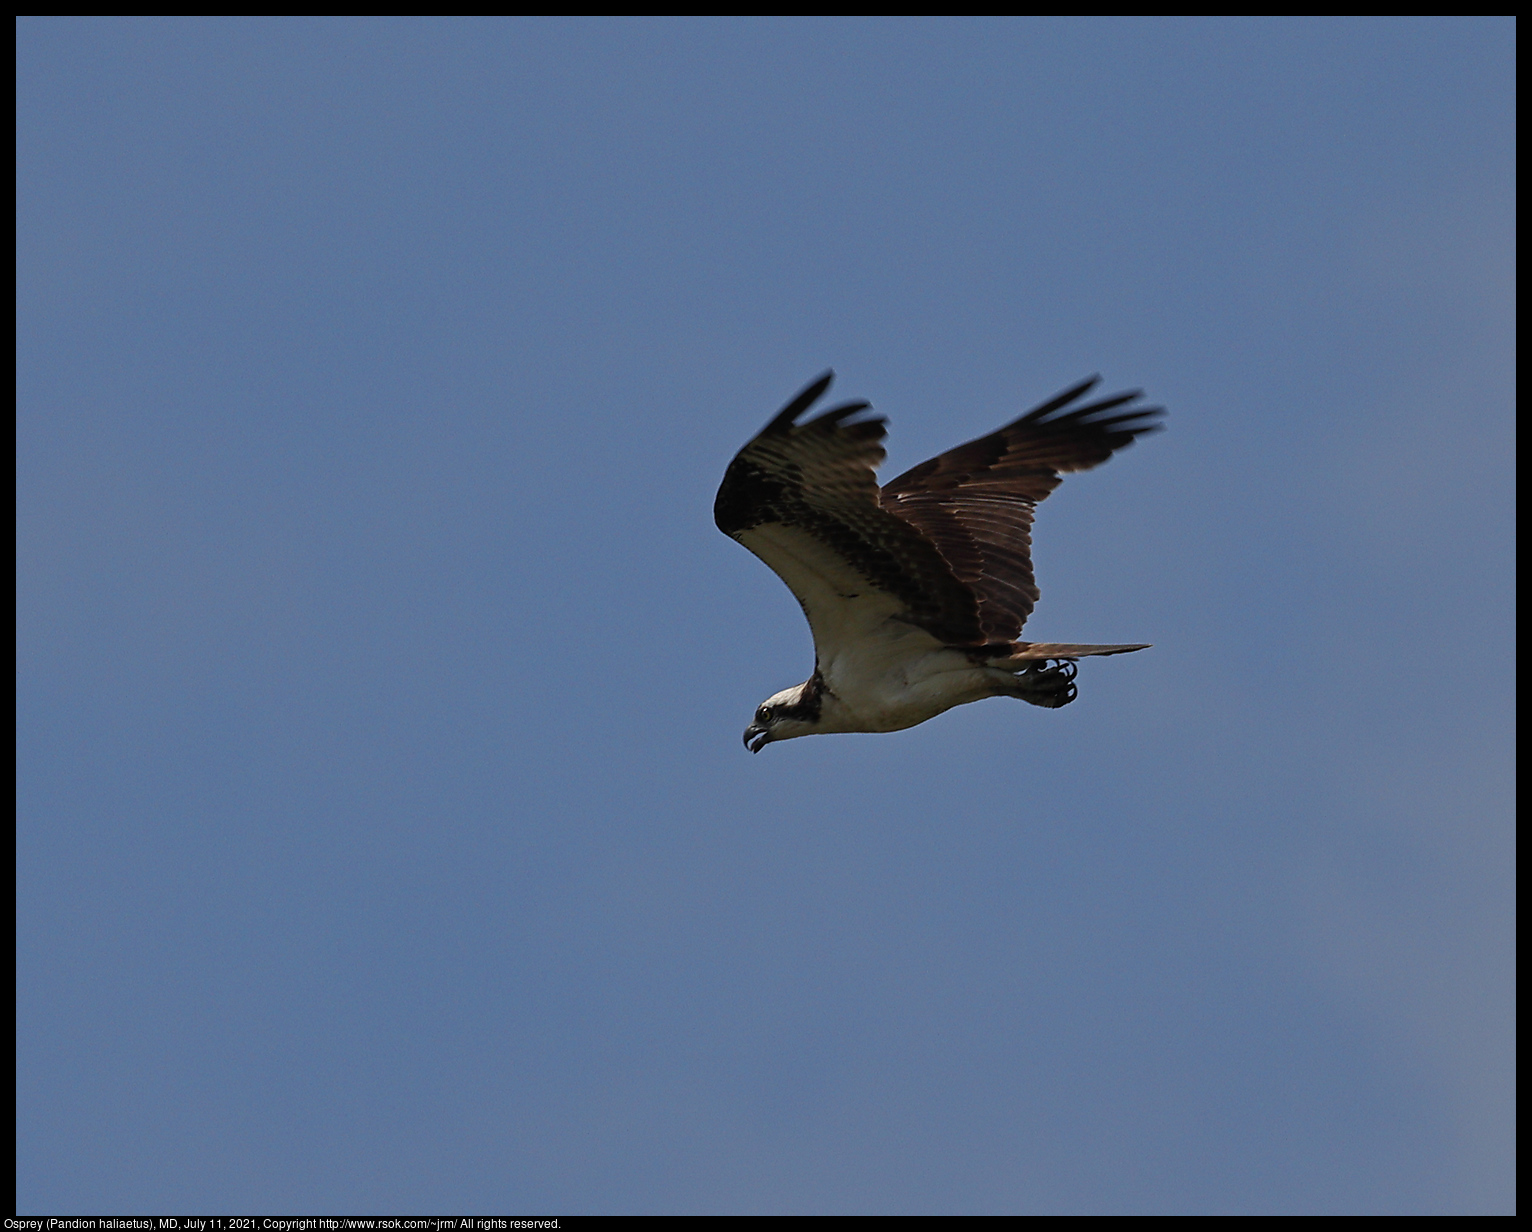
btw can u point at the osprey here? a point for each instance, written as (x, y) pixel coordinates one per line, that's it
(916, 591)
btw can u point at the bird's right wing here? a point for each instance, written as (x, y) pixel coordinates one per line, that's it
(975, 503)
(804, 498)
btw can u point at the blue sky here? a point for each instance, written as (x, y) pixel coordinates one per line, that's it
(385, 838)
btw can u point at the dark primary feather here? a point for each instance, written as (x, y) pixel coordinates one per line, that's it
(951, 539)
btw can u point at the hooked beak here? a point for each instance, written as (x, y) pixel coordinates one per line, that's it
(761, 736)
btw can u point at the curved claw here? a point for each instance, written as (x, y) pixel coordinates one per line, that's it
(1048, 683)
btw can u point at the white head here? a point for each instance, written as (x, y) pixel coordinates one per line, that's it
(782, 716)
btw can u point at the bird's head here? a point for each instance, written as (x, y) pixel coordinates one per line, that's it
(782, 716)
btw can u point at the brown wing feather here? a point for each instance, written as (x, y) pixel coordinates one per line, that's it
(819, 476)
(975, 502)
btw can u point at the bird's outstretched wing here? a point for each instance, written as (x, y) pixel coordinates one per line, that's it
(975, 502)
(804, 498)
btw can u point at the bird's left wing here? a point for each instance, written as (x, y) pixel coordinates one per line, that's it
(804, 498)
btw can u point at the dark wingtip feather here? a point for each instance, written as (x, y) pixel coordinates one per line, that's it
(1061, 400)
(1131, 420)
(805, 398)
(844, 411)
(1146, 420)
(1106, 404)
(874, 429)
(1135, 420)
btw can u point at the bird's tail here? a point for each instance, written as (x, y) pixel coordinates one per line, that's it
(1021, 653)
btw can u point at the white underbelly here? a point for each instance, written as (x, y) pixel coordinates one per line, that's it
(877, 695)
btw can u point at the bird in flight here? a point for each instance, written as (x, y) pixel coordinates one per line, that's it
(915, 591)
